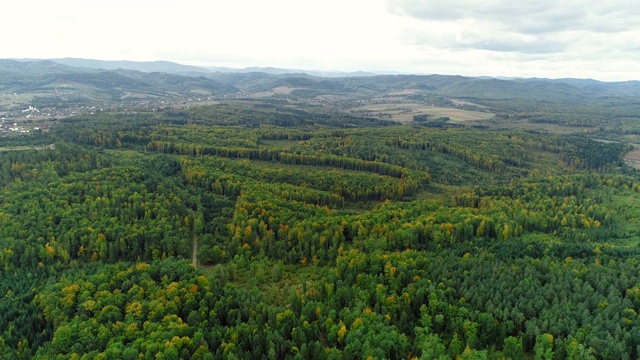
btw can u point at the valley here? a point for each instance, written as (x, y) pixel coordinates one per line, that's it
(288, 216)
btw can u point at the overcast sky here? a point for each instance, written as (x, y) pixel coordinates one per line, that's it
(541, 38)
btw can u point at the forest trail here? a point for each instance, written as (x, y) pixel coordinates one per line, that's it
(194, 259)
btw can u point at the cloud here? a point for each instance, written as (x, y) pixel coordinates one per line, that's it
(524, 38)
(526, 16)
(471, 34)
(576, 28)
(564, 38)
(526, 47)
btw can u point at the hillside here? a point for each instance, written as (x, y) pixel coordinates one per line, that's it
(252, 80)
(290, 216)
(47, 83)
(142, 66)
(312, 239)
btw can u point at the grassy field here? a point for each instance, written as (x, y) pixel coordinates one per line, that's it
(525, 125)
(13, 101)
(404, 112)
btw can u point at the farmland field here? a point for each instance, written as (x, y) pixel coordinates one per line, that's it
(404, 112)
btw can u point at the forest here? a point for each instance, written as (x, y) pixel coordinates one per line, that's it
(233, 231)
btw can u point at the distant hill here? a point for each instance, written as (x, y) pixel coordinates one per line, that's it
(175, 68)
(474, 87)
(281, 71)
(86, 80)
(143, 66)
(49, 82)
(35, 67)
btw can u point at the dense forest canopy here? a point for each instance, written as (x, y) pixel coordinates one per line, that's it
(240, 231)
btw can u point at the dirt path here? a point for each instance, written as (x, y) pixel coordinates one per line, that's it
(194, 259)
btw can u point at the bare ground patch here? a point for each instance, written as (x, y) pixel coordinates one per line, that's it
(25, 148)
(633, 158)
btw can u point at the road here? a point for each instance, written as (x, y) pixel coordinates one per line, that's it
(194, 259)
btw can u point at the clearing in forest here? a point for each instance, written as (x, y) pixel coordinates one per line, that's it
(25, 148)
(404, 112)
(633, 158)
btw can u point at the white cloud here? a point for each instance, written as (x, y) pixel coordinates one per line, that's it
(528, 16)
(493, 37)
(574, 37)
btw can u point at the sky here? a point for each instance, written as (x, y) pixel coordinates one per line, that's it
(510, 38)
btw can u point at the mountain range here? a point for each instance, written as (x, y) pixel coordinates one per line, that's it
(84, 79)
